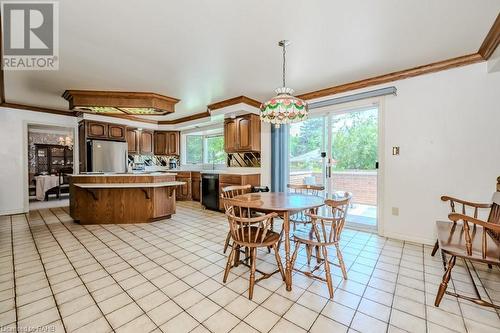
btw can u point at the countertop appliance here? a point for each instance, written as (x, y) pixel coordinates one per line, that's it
(210, 191)
(107, 156)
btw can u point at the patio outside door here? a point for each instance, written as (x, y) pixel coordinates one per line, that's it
(339, 150)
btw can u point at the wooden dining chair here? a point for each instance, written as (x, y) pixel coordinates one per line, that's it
(322, 232)
(252, 233)
(472, 209)
(230, 192)
(472, 240)
(301, 217)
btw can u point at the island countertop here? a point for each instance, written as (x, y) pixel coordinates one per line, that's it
(128, 185)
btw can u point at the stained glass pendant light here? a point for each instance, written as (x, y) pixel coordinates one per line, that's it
(284, 108)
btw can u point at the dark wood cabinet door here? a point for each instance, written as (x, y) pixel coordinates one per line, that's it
(96, 130)
(116, 132)
(132, 141)
(173, 147)
(196, 190)
(146, 142)
(160, 143)
(230, 136)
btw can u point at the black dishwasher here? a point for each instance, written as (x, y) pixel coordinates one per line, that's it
(210, 191)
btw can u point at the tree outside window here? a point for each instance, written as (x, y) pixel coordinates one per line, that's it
(207, 149)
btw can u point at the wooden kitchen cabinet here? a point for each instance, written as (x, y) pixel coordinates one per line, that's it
(173, 146)
(183, 192)
(167, 143)
(232, 179)
(196, 186)
(105, 131)
(133, 141)
(242, 134)
(97, 130)
(230, 132)
(117, 132)
(146, 142)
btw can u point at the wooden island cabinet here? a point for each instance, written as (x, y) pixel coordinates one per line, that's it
(122, 198)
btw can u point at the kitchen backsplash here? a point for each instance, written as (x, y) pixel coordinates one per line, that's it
(153, 160)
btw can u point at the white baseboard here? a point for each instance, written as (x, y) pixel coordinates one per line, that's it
(12, 212)
(410, 238)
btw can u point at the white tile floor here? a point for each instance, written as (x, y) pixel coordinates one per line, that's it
(58, 276)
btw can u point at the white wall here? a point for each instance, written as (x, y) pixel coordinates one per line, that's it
(13, 154)
(448, 127)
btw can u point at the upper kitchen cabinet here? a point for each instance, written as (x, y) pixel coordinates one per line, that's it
(146, 142)
(133, 141)
(117, 132)
(167, 143)
(105, 131)
(242, 134)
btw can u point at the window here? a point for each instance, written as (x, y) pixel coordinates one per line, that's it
(194, 149)
(207, 149)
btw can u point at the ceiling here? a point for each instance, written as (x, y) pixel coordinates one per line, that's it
(206, 51)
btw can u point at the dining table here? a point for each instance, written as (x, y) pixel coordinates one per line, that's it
(284, 204)
(45, 183)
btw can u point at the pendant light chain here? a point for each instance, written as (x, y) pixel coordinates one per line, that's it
(284, 65)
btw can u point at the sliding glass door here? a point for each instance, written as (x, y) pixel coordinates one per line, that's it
(339, 150)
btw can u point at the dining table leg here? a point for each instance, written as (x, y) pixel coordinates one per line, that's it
(288, 262)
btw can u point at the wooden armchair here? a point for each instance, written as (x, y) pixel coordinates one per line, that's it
(471, 239)
(472, 209)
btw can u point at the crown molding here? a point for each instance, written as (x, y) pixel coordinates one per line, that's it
(233, 101)
(491, 40)
(395, 76)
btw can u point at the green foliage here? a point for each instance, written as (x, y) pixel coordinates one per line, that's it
(194, 149)
(355, 141)
(214, 146)
(215, 150)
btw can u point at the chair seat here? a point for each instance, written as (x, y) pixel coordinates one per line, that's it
(452, 241)
(307, 235)
(253, 233)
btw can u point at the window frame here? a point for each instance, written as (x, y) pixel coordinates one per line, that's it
(204, 149)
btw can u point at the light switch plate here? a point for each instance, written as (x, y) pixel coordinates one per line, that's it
(395, 211)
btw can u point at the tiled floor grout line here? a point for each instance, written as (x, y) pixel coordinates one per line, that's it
(202, 256)
(110, 275)
(172, 299)
(485, 290)
(366, 286)
(14, 270)
(74, 268)
(394, 292)
(150, 280)
(241, 294)
(459, 306)
(44, 270)
(333, 299)
(425, 290)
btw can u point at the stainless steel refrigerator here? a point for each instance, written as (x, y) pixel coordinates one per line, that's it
(107, 156)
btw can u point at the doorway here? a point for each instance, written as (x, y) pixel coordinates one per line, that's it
(50, 161)
(339, 150)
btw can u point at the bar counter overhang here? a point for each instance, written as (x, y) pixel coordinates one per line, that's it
(122, 198)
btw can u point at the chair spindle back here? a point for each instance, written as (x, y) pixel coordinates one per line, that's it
(328, 229)
(245, 230)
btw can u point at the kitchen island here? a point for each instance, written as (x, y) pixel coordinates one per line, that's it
(122, 198)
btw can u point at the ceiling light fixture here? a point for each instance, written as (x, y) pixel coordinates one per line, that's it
(118, 102)
(284, 108)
